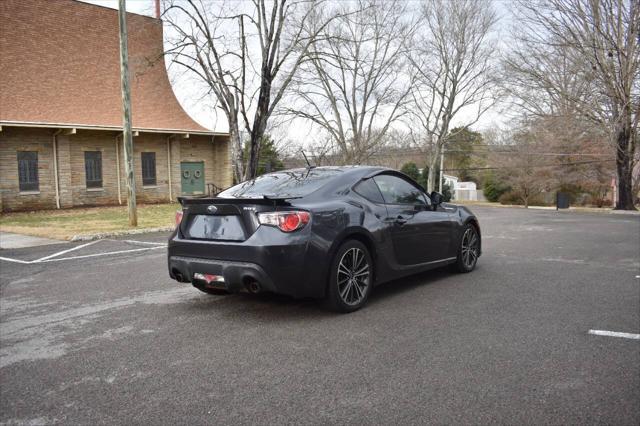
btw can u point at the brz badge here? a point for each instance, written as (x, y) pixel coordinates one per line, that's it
(212, 209)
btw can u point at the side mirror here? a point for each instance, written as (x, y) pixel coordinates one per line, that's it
(436, 199)
(420, 207)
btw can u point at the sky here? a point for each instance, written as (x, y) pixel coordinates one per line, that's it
(142, 7)
(203, 111)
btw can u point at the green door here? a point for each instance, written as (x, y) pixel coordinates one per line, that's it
(192, 177)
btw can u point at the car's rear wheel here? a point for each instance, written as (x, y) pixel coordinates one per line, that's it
(210, 290)
(351, 277)
(469, 249)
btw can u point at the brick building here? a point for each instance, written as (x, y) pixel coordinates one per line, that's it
(60, 112)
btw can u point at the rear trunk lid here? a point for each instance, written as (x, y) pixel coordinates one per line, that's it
(224, 219)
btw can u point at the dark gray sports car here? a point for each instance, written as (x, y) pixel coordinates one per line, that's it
(324, 232)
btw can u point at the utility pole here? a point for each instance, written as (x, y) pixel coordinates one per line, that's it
(441, 167)
(126, 115)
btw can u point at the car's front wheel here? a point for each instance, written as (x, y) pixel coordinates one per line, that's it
(351, 277)
(469, 249)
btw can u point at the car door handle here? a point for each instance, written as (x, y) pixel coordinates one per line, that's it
(400, 220)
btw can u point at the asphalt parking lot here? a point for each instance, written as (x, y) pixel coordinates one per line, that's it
(102, 335)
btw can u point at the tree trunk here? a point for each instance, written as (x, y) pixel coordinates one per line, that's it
(431, 177)
(237, 154)
(259, 125)
(254, 154)
(624, 169)
(525, 196)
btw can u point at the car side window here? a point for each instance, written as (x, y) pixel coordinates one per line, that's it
(398, 191)
(369, 190)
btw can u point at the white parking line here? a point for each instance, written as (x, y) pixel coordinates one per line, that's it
(615, 334)
(101, 254)
(66, 251)
(54, 257)
(15, 260)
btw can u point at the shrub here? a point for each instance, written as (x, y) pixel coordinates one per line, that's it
(601, 202)
(447, 194)
(494, 189)
(411, 170)
(509, 197)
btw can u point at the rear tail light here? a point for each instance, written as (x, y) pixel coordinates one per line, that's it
(287, 221)
(178, 217)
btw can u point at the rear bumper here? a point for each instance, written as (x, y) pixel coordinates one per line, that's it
(278, 262)
(237, 275)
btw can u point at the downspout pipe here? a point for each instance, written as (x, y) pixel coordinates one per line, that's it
(169, 168)
(118, 168)
(56, 180)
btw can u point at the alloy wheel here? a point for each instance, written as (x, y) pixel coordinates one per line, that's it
(353, 276)
(470, 247)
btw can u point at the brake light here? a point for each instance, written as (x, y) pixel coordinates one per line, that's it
(286, 221)
(178, 217)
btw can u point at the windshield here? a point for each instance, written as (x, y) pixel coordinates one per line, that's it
(292, 183)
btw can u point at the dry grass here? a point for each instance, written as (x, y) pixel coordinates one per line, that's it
(64, 224)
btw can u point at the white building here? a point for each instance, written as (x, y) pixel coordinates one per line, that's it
(466, 191)
(451, 181)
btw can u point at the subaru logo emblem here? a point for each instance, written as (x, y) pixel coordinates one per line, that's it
(212, 209)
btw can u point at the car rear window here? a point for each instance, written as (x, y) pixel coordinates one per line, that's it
(292, 183)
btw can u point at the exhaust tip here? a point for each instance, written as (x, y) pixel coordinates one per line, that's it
(254, 287)
(178, 276)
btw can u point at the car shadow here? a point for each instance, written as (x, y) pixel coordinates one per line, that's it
(389, 290)
(246, 307)
(272, 307)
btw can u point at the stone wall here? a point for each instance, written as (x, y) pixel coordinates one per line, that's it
(148, 142)
(13, 140)
(92, 141)
(71, 172)
(223, 173)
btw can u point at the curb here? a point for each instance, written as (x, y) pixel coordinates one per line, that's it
(551, 208)
(99, 236)
(605, 211)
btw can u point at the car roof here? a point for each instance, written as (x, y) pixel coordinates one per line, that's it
(349, 171)
(356, 169)
(336, 177)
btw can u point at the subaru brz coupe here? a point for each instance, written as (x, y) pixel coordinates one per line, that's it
(321, 232)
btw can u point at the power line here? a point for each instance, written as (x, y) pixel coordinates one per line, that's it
(537, 166)
(553, 154)
(483, 150)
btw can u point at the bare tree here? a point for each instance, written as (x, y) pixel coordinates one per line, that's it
(553, 153)
(543, 82)
(453, 60)
(583, 56)
(523, 168)
(353, 84)
(574, 153)
(246, 55)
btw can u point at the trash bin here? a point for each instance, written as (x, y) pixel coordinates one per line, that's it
(562, 200)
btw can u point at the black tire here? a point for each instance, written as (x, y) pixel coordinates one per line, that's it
(468, 250)
(209, 290)
(351, 291)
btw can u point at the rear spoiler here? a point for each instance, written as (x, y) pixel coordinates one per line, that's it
(265, 200)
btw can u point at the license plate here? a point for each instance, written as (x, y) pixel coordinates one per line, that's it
(210, 227)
